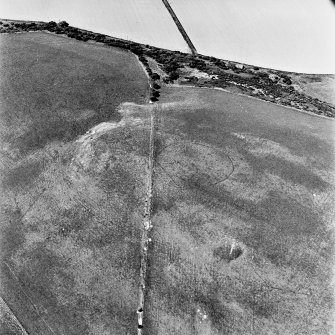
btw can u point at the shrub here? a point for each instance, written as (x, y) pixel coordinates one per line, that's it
(155, 76)
(172, 66)
(263, 75)
(63, 24)
(173, 76)
(156, 86)
(73, 29)
(153, 99)
(155, 93)
(137, 50)
(52, 24)
(59, 30)
(287, 80)
(142, 59)
(99, 38)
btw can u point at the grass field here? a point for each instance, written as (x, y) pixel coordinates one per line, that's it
(242, 238)
(71, 200)
(243, 192)
(321, 87)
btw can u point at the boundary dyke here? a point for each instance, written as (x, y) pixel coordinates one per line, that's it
(180, 27)
(147, 226)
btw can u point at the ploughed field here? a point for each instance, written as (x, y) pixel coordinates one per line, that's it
(243, 189)
(71, 201)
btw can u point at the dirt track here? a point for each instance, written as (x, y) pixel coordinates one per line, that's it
(146, 224)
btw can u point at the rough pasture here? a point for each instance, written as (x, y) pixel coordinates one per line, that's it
(72, 183)
(242, 238)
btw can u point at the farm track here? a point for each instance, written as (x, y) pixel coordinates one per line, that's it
(146, 225)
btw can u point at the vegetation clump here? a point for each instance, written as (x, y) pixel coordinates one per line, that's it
(250, 80)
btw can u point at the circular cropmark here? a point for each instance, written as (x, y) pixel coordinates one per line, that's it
(197, 163)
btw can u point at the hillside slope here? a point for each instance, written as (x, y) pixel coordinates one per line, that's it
(242, 207)
(72, 182)
(243, 235)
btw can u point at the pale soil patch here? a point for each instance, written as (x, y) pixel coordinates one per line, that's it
(188, 71)
(155, 67)
(317, 86)
(81, 115)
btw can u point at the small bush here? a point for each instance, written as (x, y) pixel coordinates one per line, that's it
(99, 38)
(137, 50)
(142, 59)
(63, 24)
(172, 67)
(156, 86)
(173, 76)
(59, 30)
(155, 93)
(287, 81)
(52, 24)
(263, 75)
(155, 76)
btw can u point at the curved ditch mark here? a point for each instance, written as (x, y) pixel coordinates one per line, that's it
(146, 225)
(219, 181)
(176, 182)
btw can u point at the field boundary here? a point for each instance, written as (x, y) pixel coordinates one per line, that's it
(147, 226)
